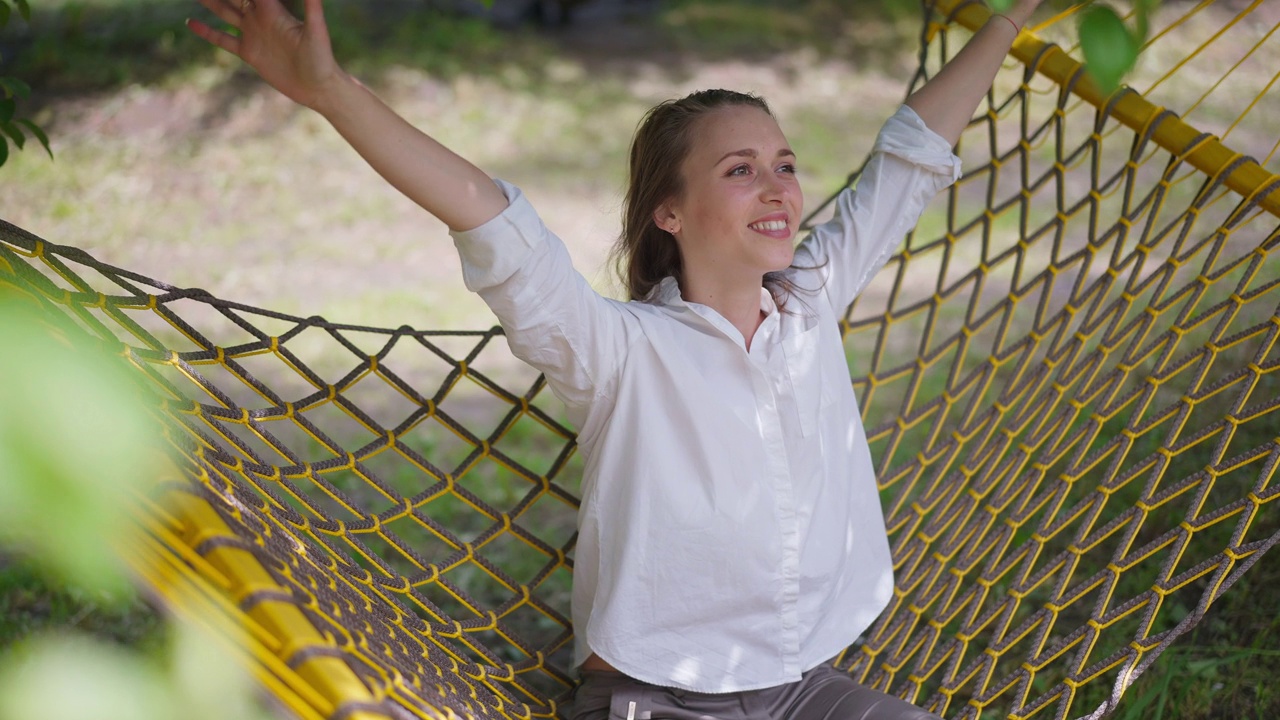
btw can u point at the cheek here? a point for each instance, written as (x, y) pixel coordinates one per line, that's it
(717, 208)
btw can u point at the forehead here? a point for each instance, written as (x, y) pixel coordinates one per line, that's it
(734, 128)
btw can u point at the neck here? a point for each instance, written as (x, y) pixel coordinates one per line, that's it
(738, 303)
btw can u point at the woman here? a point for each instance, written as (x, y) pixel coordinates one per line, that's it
(731, 539)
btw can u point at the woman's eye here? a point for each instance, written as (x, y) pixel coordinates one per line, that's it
(788, 168)
(740, 170)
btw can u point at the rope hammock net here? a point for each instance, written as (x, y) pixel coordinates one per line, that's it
(1070, 373)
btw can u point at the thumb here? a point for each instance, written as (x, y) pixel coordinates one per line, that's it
(314, 19)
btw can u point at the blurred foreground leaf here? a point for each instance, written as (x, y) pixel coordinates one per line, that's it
(75, 449)
(212, 685)
(73, 678)
(70, 677)
(1110, 49)
(75, 444)
(11, 89)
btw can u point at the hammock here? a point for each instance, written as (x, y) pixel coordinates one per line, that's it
(1070, 373)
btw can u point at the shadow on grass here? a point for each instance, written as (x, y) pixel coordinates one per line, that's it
(97, 46)
(31, 604)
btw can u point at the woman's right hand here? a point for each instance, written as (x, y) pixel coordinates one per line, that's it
(293, 56)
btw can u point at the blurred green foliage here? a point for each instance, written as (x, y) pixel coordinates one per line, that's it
(14, 129)
(75, 450)
(72, 447)
(1110, 47)
(78, 46)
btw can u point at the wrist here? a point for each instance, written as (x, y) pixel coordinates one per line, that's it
(1004, 21)
(333, 94)
(1020, 14)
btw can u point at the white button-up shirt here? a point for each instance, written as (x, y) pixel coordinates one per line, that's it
(730, 533)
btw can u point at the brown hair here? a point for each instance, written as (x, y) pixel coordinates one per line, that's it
(645, 253)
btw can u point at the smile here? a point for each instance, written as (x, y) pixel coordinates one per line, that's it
(769, 225)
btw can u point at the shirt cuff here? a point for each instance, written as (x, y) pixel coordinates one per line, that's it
(906, 136)
(494, 251)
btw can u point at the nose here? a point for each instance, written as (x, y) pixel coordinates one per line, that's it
(772, 188)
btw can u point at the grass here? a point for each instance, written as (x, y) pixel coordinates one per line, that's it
(78, 46)
(1207, 677)
(198, 162)
(31, 604)
(868, 33)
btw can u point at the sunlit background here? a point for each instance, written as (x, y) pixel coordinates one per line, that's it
(174, 161)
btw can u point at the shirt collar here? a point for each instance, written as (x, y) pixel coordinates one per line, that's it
(667, 293)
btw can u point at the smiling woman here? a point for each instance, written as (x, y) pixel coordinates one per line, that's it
(736, 212)
(730, 537)
(663, 196)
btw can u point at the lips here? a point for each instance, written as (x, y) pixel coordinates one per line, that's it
(775, 225)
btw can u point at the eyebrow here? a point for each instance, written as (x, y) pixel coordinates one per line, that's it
(751, 153)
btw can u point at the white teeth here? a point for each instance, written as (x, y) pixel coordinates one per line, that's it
(770, 226)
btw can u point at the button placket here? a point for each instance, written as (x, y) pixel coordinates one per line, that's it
(788, 523)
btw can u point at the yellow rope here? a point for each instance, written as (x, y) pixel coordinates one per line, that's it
(1069, 373)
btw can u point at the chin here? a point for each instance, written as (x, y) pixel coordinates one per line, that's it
(782, 263)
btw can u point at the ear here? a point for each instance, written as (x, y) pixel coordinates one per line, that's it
(666, 219)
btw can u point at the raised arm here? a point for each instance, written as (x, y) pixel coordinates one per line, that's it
(947, 102)
(296, 59)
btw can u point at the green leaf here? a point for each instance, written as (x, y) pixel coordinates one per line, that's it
(4, 14)
(70, 677)
(1110, 50)
(207, 678)
(74, 443)
(4, 151)
(24, 9)
(1143, 10)
(7, 107)
(14, 87)
(38, 134)
(998, 6)
(14, 132)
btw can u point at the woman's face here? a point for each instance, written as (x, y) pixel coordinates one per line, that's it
(742, 203)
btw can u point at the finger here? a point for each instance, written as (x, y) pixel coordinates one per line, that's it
(315, 18)
(226, 41)
(267, 10)
(226, 12)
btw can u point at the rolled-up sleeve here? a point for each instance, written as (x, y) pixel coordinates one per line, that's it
(494, 251)
(909, 165)
(553, 319)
